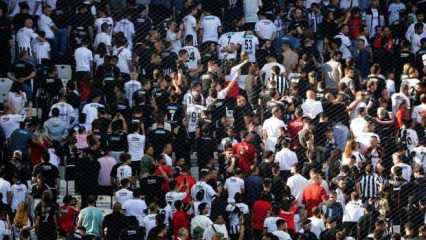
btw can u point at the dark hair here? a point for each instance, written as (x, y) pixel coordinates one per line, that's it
(45, 156)
(124, 157)
(91, 199)
(55, 112)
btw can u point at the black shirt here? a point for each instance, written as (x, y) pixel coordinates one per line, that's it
(49, 171)
(142, 27)
(87, 171)
(159, 137)
(117, 141)
(151, 188)
(22, 69)
(47, 215)
(52, 85)
(115, 224)
(174, 113)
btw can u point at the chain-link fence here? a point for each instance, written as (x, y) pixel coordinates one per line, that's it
(229, 119)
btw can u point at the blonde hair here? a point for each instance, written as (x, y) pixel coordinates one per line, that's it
(406, 68)
(21, 216)
(349, 148)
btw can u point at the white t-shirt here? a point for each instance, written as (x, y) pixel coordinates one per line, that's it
(10, 122)
(201, 221)
(91, 111)
(394, 9)
(358, 125)
(297, 184)
(209, 192)
(4, 189)
(270, 224)
(420, 156)
(265, 28)
(210, 25)
(127, 28)
(211, 231)
(24, 36)
(136, 144)
(226, 40)
(318, 226)
(272, 126)
(100, 21)
(419, 112)
(194, 57)
(172, 197)
(123, 171)
(124, 56)
(251, 7)
(35, 7)
(311, 108)
(45, 24)
(41, 50)
(83, 59)
(364, 139)
(149, 222)
(234, 185)
(135, 207)
(353, 211)
(286, 159)
(390, 86)
(412, 82)
(123, 195)
(190, 24)
(407, 171)
(19, 194)
(282, 235)
(192, 112)
(249, 44)
(17, 101)
(174, 41)
(346, 4)
(99, 60)
(66, 112)
(131, 87)
(103, 37)
(397, 99)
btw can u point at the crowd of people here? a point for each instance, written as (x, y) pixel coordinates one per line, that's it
(207, 119)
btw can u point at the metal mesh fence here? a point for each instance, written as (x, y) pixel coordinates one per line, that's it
(226, 119)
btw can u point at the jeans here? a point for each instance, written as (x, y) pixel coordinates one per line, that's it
(61, 41)
(28, 89)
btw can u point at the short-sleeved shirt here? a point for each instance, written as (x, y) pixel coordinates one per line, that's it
(210, 25)
(47, 215)
(91, 219)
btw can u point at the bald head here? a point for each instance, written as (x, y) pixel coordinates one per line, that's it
(310, 95)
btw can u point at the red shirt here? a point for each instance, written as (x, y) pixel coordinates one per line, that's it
(313, 195)
(36, 150)
(400, 116)
(260, 209)
(189, 180)
(168, 170)
(246, 153)
(289, 219)
(234, 91)
(355, 24)
(67, 218)
(84, 90)
(294, 128)
(180, 219)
